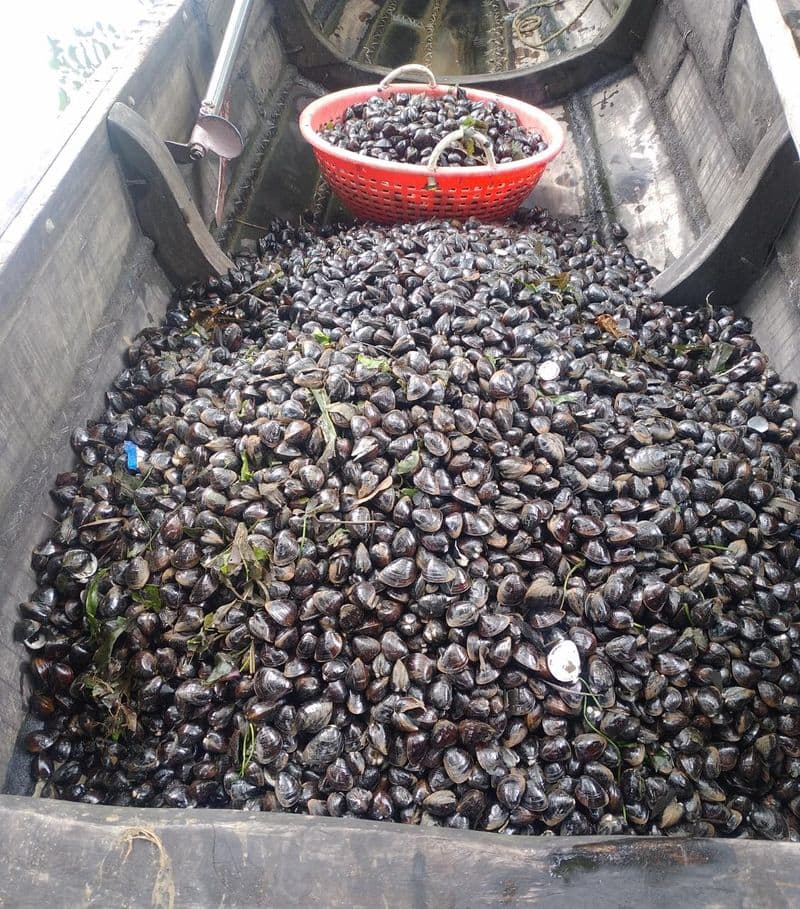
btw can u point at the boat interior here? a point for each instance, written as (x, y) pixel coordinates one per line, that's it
(676, 129)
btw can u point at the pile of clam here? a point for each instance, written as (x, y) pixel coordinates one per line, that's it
(446, 524)
(407, 127)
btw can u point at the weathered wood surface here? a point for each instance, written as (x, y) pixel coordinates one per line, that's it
(732, 253)
(58, 854)
(543, 83)
(184, 246)
(782, 56)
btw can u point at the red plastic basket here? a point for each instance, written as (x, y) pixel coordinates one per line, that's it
(390, 192)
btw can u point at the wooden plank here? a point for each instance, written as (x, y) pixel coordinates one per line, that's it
(184, 246)
(61, 854)
(730, 255)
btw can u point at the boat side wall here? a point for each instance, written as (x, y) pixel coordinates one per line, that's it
(715, 101)
(773, 303)
(712, 92)
(78, 281)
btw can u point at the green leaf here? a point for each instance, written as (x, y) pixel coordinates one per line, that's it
(128, 482)
(245, 474)
(443, 375)
(129, 717)
(321, 338)
(248, 659)
(662, 762)
(239, 556)
(409, 464)
(695, 347)
(328, 429)
(516, 151)
(470, 122)
(721, 352)
(306, 514)
(409, 491)
(199, 642)
(653, 360)
(566, 398)
(579, 564)
(91, 601)
(338, 538)
(149, 596)
(248, 746)
(101, 690)
(111, 635)
(222, 667)
(379, 363)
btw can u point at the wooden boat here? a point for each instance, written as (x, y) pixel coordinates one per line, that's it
(682, 122)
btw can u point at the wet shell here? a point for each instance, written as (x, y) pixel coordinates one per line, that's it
(649, 461)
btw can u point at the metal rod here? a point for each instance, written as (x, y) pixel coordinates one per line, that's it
(229, 49)
(782, 59)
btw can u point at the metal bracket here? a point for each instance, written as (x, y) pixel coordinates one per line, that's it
(213, 131)
(210, 133)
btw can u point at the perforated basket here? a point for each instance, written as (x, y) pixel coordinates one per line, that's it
(389, 192)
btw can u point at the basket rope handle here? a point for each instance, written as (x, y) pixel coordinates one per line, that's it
(462, 133)
(408, 68)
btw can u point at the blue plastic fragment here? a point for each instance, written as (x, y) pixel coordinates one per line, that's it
(132, 454)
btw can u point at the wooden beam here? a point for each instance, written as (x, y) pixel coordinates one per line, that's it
(733, 251)
(184, 246)
(67, 854)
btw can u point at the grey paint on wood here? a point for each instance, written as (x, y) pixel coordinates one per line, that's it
(711, 158)
(773, 302)
(639, 172)
(749, 89)
(732, 253)
(710, 20)
(562, 188)
(73, 856)
(663, 49)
